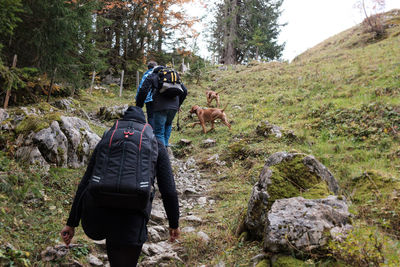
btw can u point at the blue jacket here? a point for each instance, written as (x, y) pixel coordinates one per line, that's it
(149, 96)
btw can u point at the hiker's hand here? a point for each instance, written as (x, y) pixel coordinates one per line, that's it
(174, 234)
(180, 110)
(67, 233)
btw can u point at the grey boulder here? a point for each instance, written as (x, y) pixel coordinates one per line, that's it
(298, 224)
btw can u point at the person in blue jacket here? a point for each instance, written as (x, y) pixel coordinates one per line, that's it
(149, 97)
(164, 108)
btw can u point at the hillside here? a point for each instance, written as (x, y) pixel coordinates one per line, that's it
(340, 102)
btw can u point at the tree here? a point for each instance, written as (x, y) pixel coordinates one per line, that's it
(54, 34)
(9, 18)
(246, 30)
(372, 11)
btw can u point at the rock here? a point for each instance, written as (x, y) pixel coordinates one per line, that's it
(8, 120)
(237, 107)
(32, 155)
(192, 219)
(266, 129)
(208, 143)
(101, 244)
(202, 201)
(204, 237)
(53, 144)
(157, 233)
(56, 252)
(286, 175)
(215, 159)
(65, 104)
(94, 261)
(188, 229)
(340, 233)
(81, 140)
(67, 142)
(157, 216)
(112, 113)
(184, 142)
(298, 224)
(160, 260)
(3, 115)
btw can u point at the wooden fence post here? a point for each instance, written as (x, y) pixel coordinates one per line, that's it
(8, 93)
(91, 85)
(51, 84)
(122, 83)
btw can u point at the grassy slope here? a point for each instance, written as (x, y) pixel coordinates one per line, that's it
(340, 98)
(322, 96)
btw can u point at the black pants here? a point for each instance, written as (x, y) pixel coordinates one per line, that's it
(123, 256)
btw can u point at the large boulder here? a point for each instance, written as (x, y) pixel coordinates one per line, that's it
(286, 175)
(299, 224)
(67, 142)
(81, 140)
(53, 144)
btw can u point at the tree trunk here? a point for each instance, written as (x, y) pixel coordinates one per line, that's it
(231, 14)
(122, 83)
(8, 93)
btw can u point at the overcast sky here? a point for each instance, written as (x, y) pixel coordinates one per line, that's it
(309, 22)
(312, 21)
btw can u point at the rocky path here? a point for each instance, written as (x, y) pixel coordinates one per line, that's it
(192, 190)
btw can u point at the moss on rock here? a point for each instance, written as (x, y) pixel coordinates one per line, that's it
(263, 263)
(373, 185)
(320, 190)
(288, 261)
(377, 196)
(31, 123)
(292, 178)
(35, 123)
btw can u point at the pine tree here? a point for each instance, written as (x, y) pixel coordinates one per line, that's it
(54, 34)
(247, 30)
(9, 17)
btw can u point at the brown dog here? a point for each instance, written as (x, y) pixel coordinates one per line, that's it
(211, 95)
(209, 115)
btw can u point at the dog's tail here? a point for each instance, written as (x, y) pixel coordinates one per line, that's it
(221, 91)
(224, 107)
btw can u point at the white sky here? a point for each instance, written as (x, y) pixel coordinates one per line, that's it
(309, 22)
(312, 21)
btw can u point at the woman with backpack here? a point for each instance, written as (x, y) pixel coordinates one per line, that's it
(114, 197)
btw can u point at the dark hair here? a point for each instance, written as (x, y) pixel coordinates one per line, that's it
(151, 64)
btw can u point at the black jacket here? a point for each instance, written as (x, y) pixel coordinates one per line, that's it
(120, 226)
(160, 102)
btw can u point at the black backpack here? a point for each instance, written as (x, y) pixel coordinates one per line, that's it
(170, 83)
(124, 171)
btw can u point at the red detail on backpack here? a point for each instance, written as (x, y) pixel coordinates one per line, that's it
(141, 136)
(116, 127)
